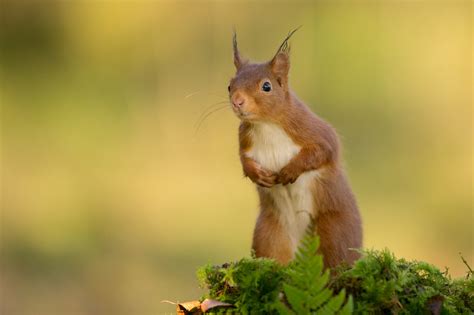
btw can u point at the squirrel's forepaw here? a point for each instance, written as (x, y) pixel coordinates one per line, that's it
(287, 176)
(261, 176)
(266, 181)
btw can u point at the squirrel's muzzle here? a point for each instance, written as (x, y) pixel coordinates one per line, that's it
(238, 100)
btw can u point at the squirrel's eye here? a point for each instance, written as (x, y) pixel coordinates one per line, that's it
(266, 86)
(228, 88)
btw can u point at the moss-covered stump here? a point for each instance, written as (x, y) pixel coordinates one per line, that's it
(378, 283)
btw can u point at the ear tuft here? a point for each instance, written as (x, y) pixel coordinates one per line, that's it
(237, 58)
(280, 63)
(285, 46)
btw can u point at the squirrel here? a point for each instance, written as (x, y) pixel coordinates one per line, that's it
(294, 158)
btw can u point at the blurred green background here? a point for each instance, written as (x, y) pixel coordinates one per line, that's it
(110, 198)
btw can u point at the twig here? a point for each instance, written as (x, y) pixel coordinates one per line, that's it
(470, 272)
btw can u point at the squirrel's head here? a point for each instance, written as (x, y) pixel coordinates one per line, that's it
(259, 91)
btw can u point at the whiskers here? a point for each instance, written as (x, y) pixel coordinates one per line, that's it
(208, 111)
(192, 94)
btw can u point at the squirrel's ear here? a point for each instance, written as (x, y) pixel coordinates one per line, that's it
(280, 64)
(238, 61)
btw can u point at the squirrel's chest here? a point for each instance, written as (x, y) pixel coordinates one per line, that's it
(273, 149)
(271, 146)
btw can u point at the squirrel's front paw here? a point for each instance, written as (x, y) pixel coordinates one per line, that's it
(264, 178)
(287, 175)
(260, 175)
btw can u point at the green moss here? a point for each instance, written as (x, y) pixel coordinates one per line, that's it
(262, 286)
(252, 285)
(378, 283)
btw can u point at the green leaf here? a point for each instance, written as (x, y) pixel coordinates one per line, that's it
(320, 299)
(296, 298)
(333, 305)
(282, 309)
(306, 287)
(348, 307)
(320, 282)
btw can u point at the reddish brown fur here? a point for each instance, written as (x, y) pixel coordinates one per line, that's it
(335, 210)
(270, 239)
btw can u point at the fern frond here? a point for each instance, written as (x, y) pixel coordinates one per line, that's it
(321, 298)
(333, 305)
(306, 287)
(348, 308)
(297, 298)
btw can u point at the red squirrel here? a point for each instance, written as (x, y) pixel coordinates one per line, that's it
(294, 158)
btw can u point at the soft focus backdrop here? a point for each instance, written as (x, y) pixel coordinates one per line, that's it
(111, 197)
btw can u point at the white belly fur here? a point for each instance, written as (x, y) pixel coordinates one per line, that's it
(273, 149)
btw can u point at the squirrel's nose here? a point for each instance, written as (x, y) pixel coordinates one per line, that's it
(238, 100)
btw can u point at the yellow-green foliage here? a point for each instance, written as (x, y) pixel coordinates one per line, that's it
(104, 174)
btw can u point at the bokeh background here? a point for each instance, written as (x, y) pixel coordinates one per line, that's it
(111, 196)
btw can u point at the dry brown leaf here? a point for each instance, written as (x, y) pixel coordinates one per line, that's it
(196, 307)
(191, 306)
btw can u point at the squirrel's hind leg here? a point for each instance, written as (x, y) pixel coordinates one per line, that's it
(340, 233)
(270, 239)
